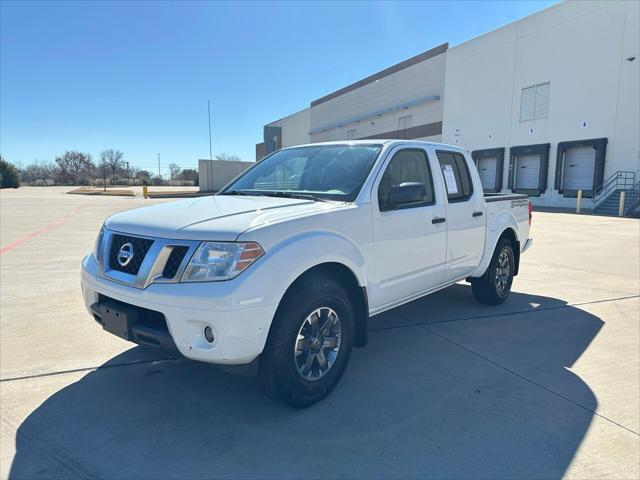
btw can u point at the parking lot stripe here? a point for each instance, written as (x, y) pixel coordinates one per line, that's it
(91, 369)
(47, 228)
(526, 379)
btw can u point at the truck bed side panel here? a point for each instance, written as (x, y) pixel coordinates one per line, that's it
(504, 211)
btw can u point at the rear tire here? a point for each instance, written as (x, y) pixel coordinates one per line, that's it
(309, 343)
(494, 286)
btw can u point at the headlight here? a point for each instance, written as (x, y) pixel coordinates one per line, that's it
(98, 244)
(220, 261)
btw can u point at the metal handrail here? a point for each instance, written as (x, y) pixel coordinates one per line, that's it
(636, 190)
(620, 180)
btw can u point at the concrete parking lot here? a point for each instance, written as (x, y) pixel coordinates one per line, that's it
(544, 386)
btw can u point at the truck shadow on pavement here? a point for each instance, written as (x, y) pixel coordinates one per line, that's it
(445, 389)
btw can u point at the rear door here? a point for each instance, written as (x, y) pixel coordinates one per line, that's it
(466, 225)
(410, 239)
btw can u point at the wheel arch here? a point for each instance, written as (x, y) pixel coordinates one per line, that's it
(510, 234)
(349, 281)
(508, 231)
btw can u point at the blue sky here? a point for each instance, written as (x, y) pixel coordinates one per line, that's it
(136, 76)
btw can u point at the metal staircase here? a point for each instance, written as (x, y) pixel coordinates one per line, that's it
(606, 198)
(633, 210)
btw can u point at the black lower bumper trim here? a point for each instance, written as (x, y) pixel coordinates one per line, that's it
(135, 324)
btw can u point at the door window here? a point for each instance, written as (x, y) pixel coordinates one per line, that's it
(406, 166)
(457, 178)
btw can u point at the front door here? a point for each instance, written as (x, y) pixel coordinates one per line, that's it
(409, 239)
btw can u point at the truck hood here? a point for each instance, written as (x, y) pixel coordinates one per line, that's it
(220, 217)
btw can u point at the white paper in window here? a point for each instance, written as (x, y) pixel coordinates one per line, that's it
(450, 179)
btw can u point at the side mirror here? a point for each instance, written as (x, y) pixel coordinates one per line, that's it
(407, 193)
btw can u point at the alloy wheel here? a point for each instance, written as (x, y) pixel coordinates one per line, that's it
(318, 344)
(503, 272)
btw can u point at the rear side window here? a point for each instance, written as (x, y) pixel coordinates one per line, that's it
(457, 178)
(406, 166)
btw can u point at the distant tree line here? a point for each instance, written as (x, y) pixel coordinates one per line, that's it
(79, 168)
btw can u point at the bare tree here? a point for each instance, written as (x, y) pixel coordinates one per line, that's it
(74, 167)
(39, 171)
(174, 170)
(228, 158)
(113, 159)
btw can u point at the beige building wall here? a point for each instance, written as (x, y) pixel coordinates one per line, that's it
(215, 174)
(295, 128)
(375, 105)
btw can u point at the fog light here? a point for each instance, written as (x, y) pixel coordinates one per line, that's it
(208, 334)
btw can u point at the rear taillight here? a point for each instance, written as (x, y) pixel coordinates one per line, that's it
(530, 212)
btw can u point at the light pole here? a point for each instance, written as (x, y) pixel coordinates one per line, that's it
(159, 174)
(209, 112)
(104, 175)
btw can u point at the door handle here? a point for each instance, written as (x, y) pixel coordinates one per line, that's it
(476, 214)
(438, 220)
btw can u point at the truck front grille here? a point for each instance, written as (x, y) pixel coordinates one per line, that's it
(139, 248)
(174, 261)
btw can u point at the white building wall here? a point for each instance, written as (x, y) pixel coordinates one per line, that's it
(580, 47)
(625, 148)
(421, 80)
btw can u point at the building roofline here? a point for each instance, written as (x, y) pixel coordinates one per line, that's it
(384, 73)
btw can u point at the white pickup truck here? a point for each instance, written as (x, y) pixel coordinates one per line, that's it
(282, 269)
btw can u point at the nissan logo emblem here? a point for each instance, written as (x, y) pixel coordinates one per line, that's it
(125, 254)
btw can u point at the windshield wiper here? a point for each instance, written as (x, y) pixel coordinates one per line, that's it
(280, 194)
(242, 192)
(302, 196)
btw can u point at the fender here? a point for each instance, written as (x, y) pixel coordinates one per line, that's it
(505, 220)
(292, 254)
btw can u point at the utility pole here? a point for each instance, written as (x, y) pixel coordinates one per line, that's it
(128, 179)
(209, 111)
(159, 174)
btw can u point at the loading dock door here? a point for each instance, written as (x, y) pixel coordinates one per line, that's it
(528, 171)
(487, 168)
(579, 168)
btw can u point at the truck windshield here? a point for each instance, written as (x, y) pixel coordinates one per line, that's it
(333, 172)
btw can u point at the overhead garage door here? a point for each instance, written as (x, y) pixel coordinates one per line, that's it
(579, 168)
(487, 170)
(528, 171)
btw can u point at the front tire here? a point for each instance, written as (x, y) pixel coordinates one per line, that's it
(494, 286)
(309, 343)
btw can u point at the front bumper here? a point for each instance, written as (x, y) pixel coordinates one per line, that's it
(239, 311)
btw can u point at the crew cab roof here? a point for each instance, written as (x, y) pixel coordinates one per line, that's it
(385, 142)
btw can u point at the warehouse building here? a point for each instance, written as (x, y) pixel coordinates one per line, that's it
(548, 105)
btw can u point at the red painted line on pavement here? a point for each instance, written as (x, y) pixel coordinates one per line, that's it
(47, 228)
